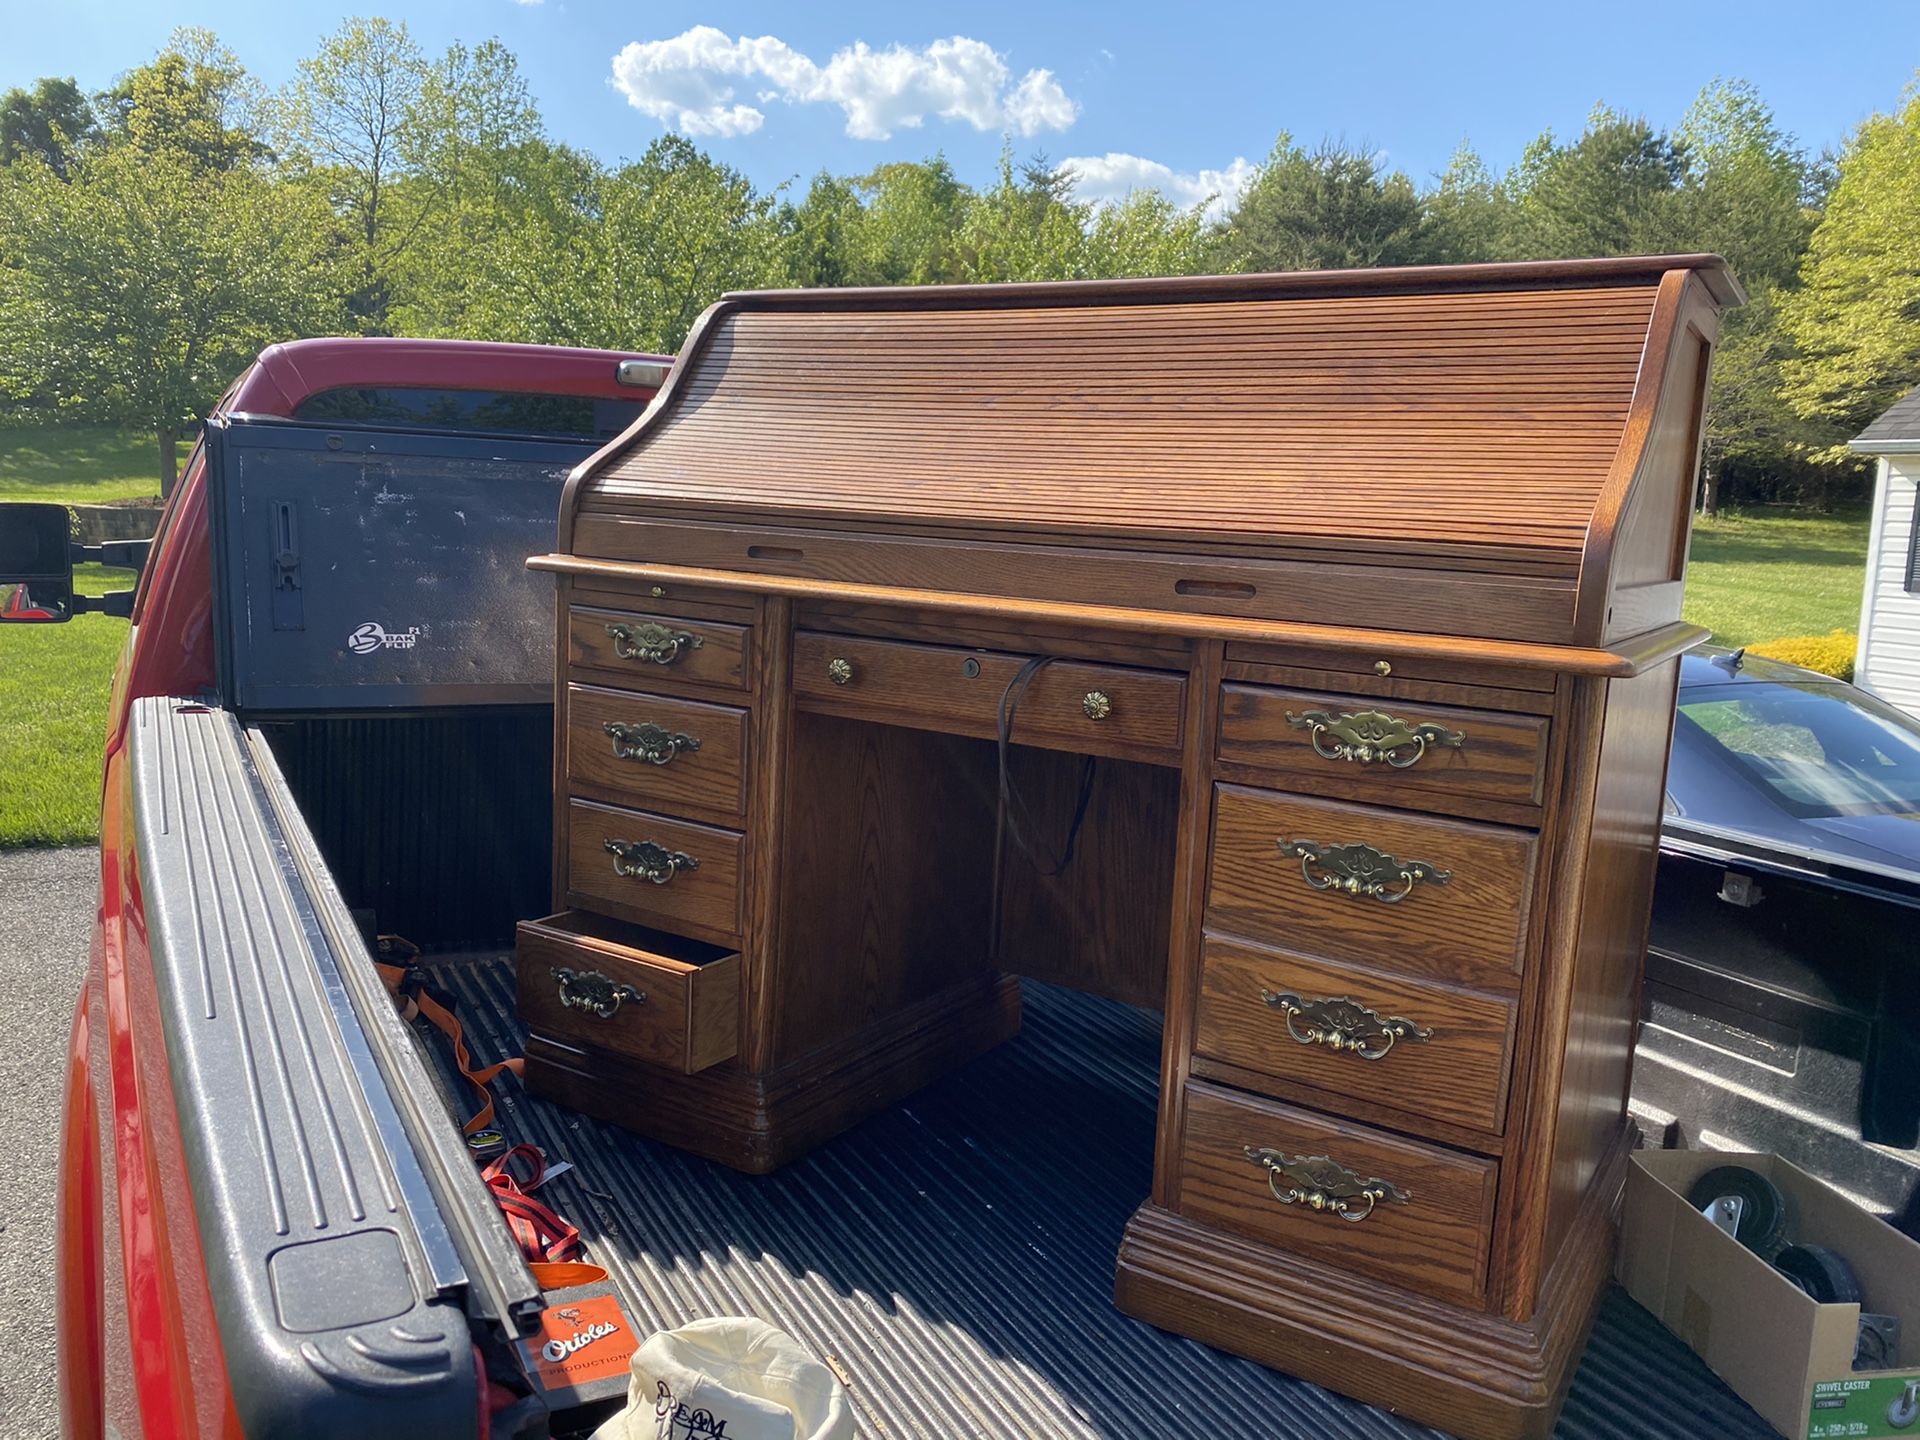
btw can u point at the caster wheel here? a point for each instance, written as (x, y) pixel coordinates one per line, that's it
(1763, 1209)
(1905, 1410)
(1822, 1273)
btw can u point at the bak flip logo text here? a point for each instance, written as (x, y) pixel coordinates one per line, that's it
(374, 636)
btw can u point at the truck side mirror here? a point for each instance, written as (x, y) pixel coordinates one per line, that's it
(36, 564)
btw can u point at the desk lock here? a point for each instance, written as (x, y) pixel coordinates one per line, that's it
(648, 860)
(1324, 1185)
(1343, 1025)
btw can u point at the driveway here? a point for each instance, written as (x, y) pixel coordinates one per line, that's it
(46, 914)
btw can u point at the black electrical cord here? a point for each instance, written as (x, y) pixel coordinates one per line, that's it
(1012, 818)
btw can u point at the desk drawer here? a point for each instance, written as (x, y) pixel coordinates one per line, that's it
(669, 873)
(1431, 1232)
(1399, 753)
(654, 997)
(1069, 705)
(1429, 1050)
(658, 651)
(1415, 894)
(650, 751)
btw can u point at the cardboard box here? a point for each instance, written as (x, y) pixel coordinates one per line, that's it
(1789, 1358)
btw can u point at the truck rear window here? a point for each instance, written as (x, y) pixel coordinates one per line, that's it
(503, 412)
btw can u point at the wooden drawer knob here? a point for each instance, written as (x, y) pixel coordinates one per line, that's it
(1343, 1025)
(1324, 1185)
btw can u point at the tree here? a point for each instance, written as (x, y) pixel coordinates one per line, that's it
(194, 99)
(1608, 193)
(138, 288)
(1325, 209)
(1743, 194)
(1855, 321)
(1025, 227)
(353, 116)
(48, 123)
(1469, 213)
(821, 233)
(911, 218)
(1146, 234)
(647, 248)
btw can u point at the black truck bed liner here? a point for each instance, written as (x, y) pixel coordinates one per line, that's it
(953, 1256)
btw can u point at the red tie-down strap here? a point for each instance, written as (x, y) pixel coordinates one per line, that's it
(412, 998)
(541, 1234)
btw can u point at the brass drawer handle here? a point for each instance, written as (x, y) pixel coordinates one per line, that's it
(647, 741)
(593, 992)
(839, 670)
(1323, 1184)
(651, 641)
(649, 860)
(1344, 1025)
(1369, 735)
(1096, 705)
(1361, 870)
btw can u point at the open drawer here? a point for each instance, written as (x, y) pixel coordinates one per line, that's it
(655, 997)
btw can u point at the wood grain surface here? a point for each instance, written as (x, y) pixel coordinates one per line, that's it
(1435, 1243)
(1502, 757)
(1459, 1074)
(1469, 929)
(703, 902)
(686, 1014)
(720, 660)
(709, 777)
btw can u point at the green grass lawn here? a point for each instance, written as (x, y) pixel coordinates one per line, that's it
(79, 464)
(1761, 576)
(53, 717)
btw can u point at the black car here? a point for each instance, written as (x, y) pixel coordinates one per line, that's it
(1782, 1001)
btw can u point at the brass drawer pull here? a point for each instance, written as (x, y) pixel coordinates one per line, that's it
(839, 670)
(1344, 1025)
(1361, 870)
(593, 992)
(1323, 1184)
(1096, 705)
(651, 641)
(649, 860)
(647, 741)
(1369, 735)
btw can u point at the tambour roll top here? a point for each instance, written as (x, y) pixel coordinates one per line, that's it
(1503, 452)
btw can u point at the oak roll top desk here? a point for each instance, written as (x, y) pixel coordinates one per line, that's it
(1294, 654)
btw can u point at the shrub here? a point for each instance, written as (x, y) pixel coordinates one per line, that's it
(1830, 654)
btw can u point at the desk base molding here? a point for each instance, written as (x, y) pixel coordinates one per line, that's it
(757, 1123)
(1467, 1372)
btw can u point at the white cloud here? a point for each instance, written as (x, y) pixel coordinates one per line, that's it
(1104, 179)
(529, 2)
(687, 83)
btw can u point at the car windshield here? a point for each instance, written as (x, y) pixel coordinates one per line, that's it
(1819, 750)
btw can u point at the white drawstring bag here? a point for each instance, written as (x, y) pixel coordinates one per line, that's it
(731, 1376)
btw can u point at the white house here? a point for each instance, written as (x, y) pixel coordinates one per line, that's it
(1888, 660)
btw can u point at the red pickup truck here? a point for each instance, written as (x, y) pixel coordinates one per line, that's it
(333, 723)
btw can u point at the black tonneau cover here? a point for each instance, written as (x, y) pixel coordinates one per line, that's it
(378, 569)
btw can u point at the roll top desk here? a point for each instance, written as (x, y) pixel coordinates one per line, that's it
(1294, 654)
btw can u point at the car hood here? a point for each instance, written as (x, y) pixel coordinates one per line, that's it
(1892, 840)
(1877, 854)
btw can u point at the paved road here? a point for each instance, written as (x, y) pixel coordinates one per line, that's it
(46, 910)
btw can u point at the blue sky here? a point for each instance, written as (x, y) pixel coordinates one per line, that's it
(1165, 94)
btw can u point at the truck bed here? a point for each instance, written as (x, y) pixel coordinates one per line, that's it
(952, 1258)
